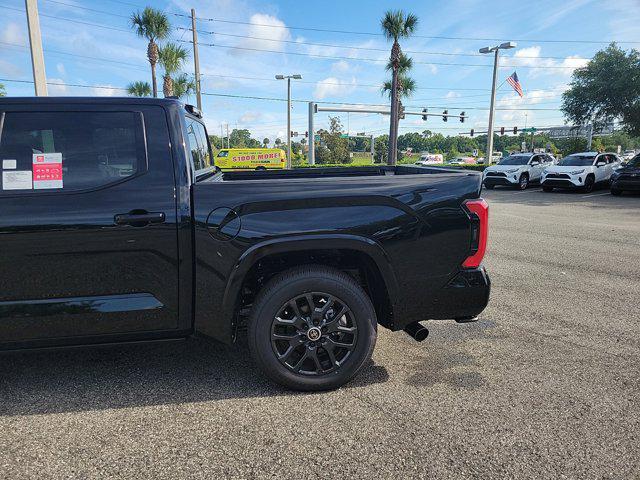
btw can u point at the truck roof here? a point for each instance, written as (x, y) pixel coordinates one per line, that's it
(93, 100)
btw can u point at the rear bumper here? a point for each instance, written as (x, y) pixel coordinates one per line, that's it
(464, 297)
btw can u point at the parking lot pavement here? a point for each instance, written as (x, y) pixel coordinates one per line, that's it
(546, 384)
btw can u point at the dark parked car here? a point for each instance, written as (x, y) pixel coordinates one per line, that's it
(627, 178)
(115, 226)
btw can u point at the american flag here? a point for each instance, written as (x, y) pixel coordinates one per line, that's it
(515, 83)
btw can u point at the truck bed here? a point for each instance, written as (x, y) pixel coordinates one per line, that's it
(324, 172)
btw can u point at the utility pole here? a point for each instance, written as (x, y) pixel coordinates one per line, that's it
(589, 136)
(35, 40)
(228, 140)
(196, 61)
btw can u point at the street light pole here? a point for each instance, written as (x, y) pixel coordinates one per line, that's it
(289, 122)
(496, 61)
(289, 77)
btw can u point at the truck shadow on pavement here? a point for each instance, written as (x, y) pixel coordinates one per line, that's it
(194, 370)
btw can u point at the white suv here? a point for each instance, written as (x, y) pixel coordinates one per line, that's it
(580, 170)
(517, 170)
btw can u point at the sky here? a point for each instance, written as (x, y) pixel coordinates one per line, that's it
(338, 49)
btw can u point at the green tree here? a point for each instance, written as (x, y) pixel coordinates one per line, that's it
(406, 85)
(278, 142)
(607, 88)
(381, 148)
(153, 25)
(338, 147)
(241, 138)
(171, 57)
(139, 89)
(3, 92)
(265, 142)
(183, 86)
(396, 25)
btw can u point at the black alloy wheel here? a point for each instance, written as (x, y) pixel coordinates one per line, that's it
(314, 334)
(312, 328)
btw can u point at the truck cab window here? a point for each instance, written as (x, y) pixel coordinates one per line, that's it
(61, 151)
(198, 144)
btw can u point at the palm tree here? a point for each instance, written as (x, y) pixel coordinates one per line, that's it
(153, 25)
(406, 86)
(183, 86)
(265, 142)
(139, 89)
(171, 57)
(396, 25)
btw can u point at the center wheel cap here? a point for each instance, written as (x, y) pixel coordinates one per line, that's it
(314, 334)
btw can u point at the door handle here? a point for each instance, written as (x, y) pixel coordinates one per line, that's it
(139, 218)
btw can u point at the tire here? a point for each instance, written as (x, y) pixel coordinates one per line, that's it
(546, 188)
(589, 183)
(261, 168)
(489, 187)
(279, 326)
(616, 191)
(523, 182)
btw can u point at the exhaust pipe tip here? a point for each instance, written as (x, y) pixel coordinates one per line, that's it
(416, 331)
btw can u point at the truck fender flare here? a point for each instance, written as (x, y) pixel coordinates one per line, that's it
(306, 242)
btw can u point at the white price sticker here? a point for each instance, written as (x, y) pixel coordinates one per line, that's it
(16, 180)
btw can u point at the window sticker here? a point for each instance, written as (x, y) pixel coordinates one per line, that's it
(16, 180)
(47, 170)
(9, 164)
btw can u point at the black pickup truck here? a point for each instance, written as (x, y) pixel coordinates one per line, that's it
(116, 226)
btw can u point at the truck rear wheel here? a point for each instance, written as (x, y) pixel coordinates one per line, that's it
(312, 328)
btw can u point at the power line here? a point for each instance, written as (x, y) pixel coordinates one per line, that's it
(87, 57)
(432, 37)
(375, 60)
(373, 49)
(274, 99)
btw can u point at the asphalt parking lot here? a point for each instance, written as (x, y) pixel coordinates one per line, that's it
(545, 385)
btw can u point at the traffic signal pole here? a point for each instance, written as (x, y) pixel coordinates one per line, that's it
(196, 60)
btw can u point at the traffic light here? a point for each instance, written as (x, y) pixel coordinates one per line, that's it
(424, 117)
(306, 134)
(444, 116)
(461, 117)
(472, 131)
(515, 130)
(501, 130)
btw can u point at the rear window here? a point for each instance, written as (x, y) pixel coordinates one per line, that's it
(62, 151)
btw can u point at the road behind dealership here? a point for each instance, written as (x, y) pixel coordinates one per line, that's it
(546, 384)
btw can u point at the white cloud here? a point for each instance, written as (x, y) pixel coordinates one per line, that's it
(452, 95)
(14, 33)
(340, 66)
(107, 91)
(263, 26)
(531, 57)
(333, 87)
(61, 70)
(249, 117)
(56, 90)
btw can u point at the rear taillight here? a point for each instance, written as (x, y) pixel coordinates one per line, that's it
(479, 213)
